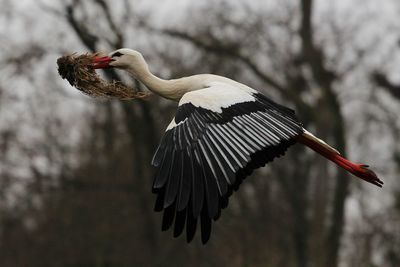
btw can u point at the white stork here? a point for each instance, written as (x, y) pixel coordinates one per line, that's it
(221, 132)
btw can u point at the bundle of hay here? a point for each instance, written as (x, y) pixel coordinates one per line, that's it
(79, 73)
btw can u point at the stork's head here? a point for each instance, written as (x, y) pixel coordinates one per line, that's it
(123, 58)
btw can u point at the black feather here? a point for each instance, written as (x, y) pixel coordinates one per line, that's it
(213, 161)
(211, 189)
(205, 226)
(160, 200)
(164, 170)
(179, 222)
(191, 225)
(174, 179)
(168, 217)
(185, 183)
(197, 185)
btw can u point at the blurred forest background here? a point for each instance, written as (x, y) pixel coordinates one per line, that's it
(75, 174)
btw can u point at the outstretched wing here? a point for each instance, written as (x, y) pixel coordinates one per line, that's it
(219, 135)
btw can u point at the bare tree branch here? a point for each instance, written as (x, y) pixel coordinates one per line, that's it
(88, 39)
(232, 52)
(224, 50)
(114, 29)
(381, 80)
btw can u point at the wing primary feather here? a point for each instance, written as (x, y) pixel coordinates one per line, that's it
(174, 179)
(197, 185)
(280, 125)
(224, 202)
(283, 126)
(237, 128)
(163, 171)
(224, 163)
(289, 122)
(258, 129)
(216, 172)
(249, 131)
(168, 217)
(159, 154)
(234, 155)
(235, 134)
(291, 117)
(175, 141)
(160, 200)
(186, 181)
(191, 225)
(192, 130)
(180, 220)
(197, 117)
(245, 156)
(179, 136)
(205, 227)
(273, 125)
(210, 188)
(198, 125)
(224, 150)
(181, 180)
(218, 164)
(207, 159)
(261, 129)
(267, 127)
(186, 136)
(287, 112)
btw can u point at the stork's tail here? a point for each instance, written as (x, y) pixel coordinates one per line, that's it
(322, 148)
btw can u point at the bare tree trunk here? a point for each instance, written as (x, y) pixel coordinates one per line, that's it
(314, 57)
(140, 125)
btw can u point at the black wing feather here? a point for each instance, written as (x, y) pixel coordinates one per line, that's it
(186, 182)
(197, 185)
(205, 222)
(191, 225)
(168, 217)
(173, 180)
(210, 189)
(164, 169)
(179, 222)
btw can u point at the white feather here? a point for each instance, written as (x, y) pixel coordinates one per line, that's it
(173, 124)
(219, 95)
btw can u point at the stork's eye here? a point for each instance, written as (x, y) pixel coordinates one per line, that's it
(116, 54)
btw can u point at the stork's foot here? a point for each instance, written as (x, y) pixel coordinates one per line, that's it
(362, 171)
(366, 174)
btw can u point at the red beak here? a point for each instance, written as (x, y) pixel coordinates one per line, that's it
(101, 62)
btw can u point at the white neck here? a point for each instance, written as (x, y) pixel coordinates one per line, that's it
(171, 89)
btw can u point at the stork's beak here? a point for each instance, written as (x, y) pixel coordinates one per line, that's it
(102, 62)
